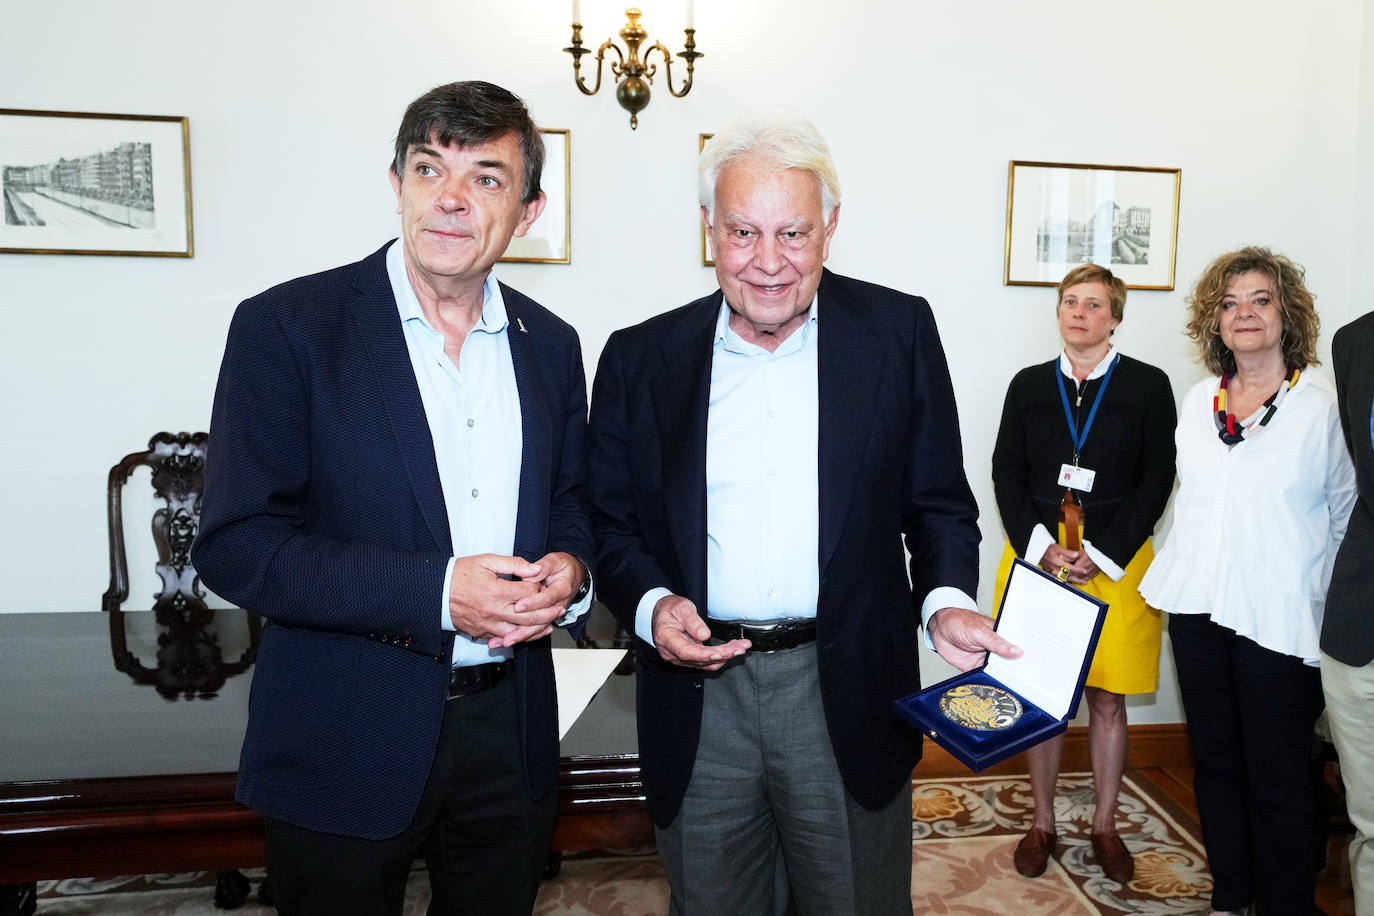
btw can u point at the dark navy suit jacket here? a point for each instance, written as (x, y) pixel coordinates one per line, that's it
(323, 513)
(1348, 627)
(890, 468)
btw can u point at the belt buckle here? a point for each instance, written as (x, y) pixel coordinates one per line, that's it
(478, 678)
(774, 633)
(766, 635)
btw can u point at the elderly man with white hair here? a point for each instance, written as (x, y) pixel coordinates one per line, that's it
(756, 461)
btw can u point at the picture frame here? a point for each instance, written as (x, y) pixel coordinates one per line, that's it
(99, 184)
(1061, 215)
(706, 259)
(549, 240)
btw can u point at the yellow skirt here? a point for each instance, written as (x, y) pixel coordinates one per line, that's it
(1127, 657)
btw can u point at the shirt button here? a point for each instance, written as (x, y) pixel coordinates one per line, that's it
(772, 592)
(771, 415)
(474, 492)
(772, 472)
(471, 422)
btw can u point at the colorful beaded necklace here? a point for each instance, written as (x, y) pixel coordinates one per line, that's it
(1229, 429)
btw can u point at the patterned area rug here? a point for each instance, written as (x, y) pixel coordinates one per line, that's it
(963, 834)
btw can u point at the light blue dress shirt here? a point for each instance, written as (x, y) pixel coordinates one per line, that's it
(763, 484)
(474, 420)
(762, 488)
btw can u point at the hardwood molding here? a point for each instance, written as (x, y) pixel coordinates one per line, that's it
(181, 823)
(133, 825)
(1163, 745)
(601, 804)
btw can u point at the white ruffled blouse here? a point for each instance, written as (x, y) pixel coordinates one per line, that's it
(1256, 526)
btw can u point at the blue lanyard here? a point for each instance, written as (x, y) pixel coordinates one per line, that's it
(1078, 440)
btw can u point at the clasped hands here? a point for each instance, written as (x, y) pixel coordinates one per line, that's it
(961, 637)
(1081, 566)
(508, 600)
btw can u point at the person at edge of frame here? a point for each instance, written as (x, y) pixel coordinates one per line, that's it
(1347, 636)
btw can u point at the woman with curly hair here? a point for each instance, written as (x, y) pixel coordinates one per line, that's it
(1265, 489)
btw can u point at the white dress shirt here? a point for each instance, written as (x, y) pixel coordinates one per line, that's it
(1256, 525)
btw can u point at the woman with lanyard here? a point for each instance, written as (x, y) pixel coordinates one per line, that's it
(1085, 449)
(1265, 489)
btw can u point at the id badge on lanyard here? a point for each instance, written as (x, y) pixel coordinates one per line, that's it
(1072, 475)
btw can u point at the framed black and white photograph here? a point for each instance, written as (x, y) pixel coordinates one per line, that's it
(549, 240)
(706, 259)
(79, 183)
(1061, 215)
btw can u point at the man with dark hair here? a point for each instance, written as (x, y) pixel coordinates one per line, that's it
(482, 113)
(390, 477)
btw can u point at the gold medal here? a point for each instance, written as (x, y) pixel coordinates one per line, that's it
(980, 706)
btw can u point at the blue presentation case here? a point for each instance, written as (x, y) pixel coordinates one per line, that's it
(981, 749)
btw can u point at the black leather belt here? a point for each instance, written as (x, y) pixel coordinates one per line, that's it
(464, 682)
(766, 635)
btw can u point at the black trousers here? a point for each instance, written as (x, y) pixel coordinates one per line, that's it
(1250, 715)
(483, 839)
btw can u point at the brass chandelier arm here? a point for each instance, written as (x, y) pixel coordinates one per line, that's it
(617, 65)
(576, 50)
(668, 68)
(651, 69)
(577, 78)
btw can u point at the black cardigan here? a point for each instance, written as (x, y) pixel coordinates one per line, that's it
(1130, 447)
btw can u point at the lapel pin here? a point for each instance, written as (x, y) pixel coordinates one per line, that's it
(521, 325)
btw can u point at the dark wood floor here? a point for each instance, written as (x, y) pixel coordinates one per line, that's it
(1333, 883)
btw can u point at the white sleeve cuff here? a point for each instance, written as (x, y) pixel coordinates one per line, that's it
(942, 597)
(1104, 562)
(644, 613)
(1040, 541)
(445, 617)
(575, 611)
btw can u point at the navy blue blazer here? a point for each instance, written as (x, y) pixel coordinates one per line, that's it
(323, 513)
(891, 471)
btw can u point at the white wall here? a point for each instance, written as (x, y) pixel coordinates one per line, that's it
(293, 105)
(1362, 228)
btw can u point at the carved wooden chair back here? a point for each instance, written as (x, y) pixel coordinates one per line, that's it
(189, 660)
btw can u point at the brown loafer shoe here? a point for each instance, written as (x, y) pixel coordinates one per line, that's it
(1113, 857)
(1034, 851)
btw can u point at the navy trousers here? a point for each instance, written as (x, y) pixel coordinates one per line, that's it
(483, 839)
